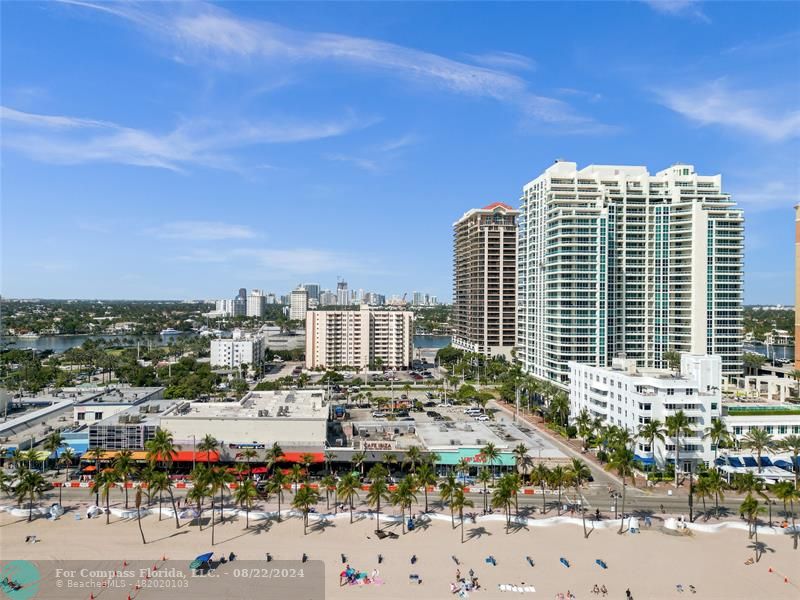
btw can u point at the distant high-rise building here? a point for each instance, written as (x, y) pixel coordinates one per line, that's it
(418, 299)
(327, 298)
(299, 304)
(614, 260)
(313, 290)
(242, 293)
(256, 304)
(484, 280)
(342, 297)
(271, 299)
(374, 299)
(433, 300)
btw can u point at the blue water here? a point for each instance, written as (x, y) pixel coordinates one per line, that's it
(62, 343)
(431, 341)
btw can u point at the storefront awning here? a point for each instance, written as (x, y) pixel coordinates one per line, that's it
(297, 457)
(645, 460)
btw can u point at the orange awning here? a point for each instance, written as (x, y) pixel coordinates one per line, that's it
(297, 457)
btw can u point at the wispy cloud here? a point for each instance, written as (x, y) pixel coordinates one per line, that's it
(209, 34)
(588, 96)
(768, 195)
(745, 110)
(504, 60)
(201, 231)
(362, 163)
(68, 140)
(381, 155)
(765, 45)
(679, 8)
(299, 261)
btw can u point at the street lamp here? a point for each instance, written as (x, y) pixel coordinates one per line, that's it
(616, 496)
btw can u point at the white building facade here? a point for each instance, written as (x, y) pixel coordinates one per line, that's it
(361, 339)
(256, 303)
(625, 396)
(242, 348)
(615, 260)
(298, 304)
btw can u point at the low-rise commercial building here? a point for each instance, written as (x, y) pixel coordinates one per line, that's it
(111, 401)
(242, 348)
(629, 397)
(131, 428)
(359, 338)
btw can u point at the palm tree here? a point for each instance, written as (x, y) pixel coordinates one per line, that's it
(673, 360)
(158, 484)
(404, 496)
(244, 496)
(273, 455)
(702, 490)
(719, 435)
(67, 459)
(276, 484)
(484, 477)
(304, 499)
(328, 483)
(125, 467)
(218, 480)
(248, 454)
(759, 440)
(31, 486)
(459, 503)
(348, 489)
(791, 444)
(650, 432)
(462, 468)
(540, 476)
(413, 458)
(107, 481)
(490, 454)
(163, 449)
(357, 461)
(622, 461)
(426, 476)
(138, 502)
(378, 490)
(579, 472)
(447, 489)
(96, 454)
(328, 458)
(558, 476)
(583, 422)
(559, 408)
(53, 443)
(208, 445)
(501, 498)
(200, 491)
(677, 426)
(296, 475)
(716, 485)
(750, 510)
(795, 374)
(307, 459)
(522, 459)
(786, 492)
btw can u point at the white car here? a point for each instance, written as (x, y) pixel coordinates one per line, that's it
(378, 415)
(482, 418)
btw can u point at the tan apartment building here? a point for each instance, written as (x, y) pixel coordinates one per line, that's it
(363, 338)
(485, 280)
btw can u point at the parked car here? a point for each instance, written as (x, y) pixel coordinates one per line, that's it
(378, 415)
(482, 418)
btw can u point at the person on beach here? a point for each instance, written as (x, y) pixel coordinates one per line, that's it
(603, 590)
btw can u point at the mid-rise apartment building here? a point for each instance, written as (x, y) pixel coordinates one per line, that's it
(233, 352)
(628, 397)
(614, 260)
(256, 303)
(485, 280)
(362, 338)
(298, 304)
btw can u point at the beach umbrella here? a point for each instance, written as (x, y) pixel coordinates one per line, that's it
(201, 560)
(90, 468)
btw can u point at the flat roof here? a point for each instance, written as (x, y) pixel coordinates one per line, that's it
(295, 404)
(121, 395)
(476, 434)
(147, 412)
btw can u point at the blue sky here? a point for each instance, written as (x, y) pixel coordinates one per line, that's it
(186, 150)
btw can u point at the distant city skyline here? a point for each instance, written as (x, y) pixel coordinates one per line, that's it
(155, 151)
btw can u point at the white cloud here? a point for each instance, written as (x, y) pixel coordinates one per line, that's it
(299, 261)
(746, 110)
(362, 163)
(203, 32)
(767, 195)
(71, 140)
(504, 60)
(201, 231)
(679, 8)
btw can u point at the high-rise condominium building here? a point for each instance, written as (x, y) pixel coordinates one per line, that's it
(256, 303)
(327, 298)
(614, 260)
(313, 290)
(342, 296)
(364, 338)
(485, 280)
(299, 304)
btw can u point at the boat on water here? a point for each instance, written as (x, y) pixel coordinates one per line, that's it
(169, 331)
(29, 336)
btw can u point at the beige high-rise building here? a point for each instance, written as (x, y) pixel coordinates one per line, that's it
(485, 280)
(797, 287)
(298, 304)
(363, 338)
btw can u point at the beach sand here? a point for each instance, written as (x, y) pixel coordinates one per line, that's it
(651, 563)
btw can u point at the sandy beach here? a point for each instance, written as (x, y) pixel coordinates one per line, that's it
(651, 564)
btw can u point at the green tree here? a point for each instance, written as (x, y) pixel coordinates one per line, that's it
(622, 461)
(138, 503)
(276, 485)
(459, 503)
(305, 498)
(54, 443)
(125, 468)
(348, 490)
(447, 489)
(650, 432)
(245, 495)
(404, 496)
(208, 445)
(502, 497)
(558, 477)
(791, 444)
(67, 459)
(328, 483)
(30, 487)
(484, 477)
(523, 460)
(378, 490)
(678, 425)
(274, 456)
(719, 436)
(579, 473)
(541, 476)
(200, 491)
(426, 476)
(717, 486)
(760, 441)
(218, 480)
(673, 360)
(162, 449)
(583, 423)
(413, 458)
(159, 483)
(490, 454)
(786, 492)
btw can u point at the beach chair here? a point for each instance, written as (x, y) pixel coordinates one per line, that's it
(530, 561)
(503, 587)
(564, 562)
(601, 564)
